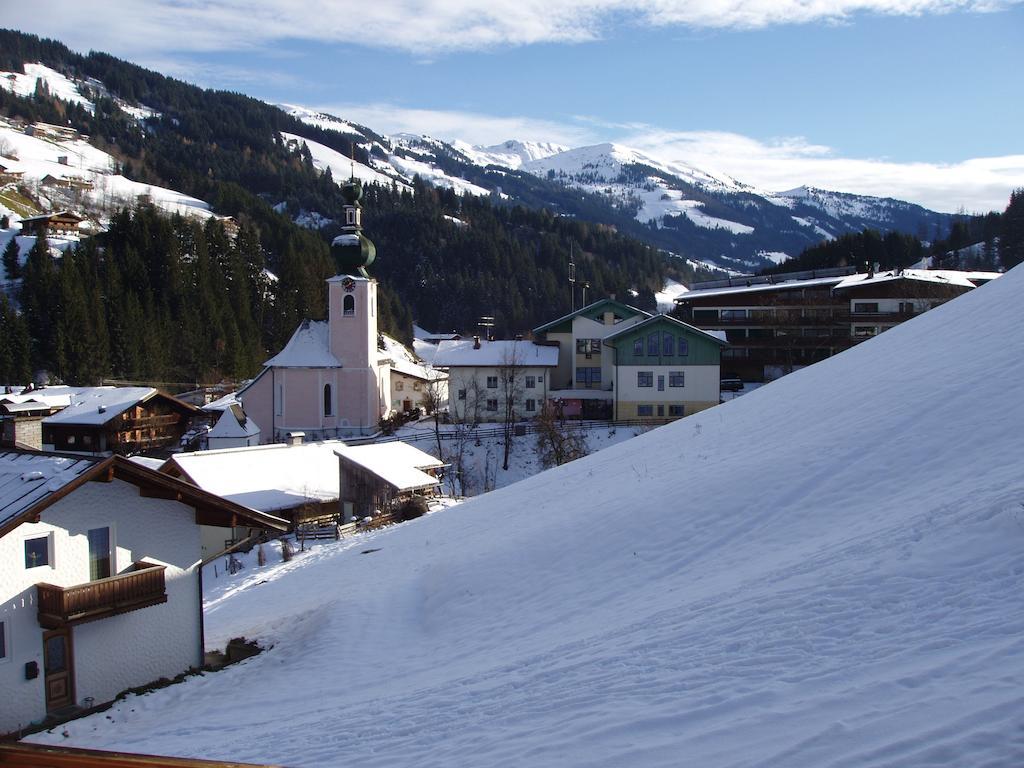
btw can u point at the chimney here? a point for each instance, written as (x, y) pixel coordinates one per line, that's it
(295, 438)
(476, 342)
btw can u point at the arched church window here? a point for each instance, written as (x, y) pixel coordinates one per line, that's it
(348, 307)
(328, 404)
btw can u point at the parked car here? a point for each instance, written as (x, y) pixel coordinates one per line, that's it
(731, 385)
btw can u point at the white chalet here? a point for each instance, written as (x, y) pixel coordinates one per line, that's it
(484, 375)
(100, 579)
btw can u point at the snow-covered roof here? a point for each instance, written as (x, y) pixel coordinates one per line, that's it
(265, 477)
(234, 423)
(98, 405)
(309, 347)
(590, 308)
(28, 478)
(53, 397)
(939, 276)
(757, 288)
(423, 334)
(405, 362)
(461, 354)
(222, 403)
(671, 320)
(398, 464)
(942, 276)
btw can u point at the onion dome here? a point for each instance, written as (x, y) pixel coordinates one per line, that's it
(352, 250)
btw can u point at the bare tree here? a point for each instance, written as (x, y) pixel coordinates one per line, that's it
(557, 442)
(433, 399)
(510, 381)
(464, 411)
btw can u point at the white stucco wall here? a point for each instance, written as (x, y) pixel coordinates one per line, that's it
(463, 378)
(109, 654)
(701, 384)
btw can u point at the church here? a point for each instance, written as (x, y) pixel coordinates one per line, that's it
(332, 379)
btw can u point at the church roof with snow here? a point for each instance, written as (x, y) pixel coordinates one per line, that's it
(309, 347)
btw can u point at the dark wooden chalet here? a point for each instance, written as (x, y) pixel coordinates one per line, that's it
(119, 420)
(61, 223)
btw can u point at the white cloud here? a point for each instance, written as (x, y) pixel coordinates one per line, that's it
(127, 27)
(471, 127)
(976, 184)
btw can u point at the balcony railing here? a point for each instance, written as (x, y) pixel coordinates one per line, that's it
(65, 606)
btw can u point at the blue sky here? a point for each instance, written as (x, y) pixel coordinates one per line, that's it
(917, 99)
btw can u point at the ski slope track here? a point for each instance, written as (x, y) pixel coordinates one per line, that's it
(825, 572)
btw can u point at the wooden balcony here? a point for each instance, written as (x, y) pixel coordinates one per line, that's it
(66, 606)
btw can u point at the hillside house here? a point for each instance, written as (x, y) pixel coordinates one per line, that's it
(295, 481)
(123, 420)
(100, 579)
(21, 424)
(61, 224)
(232, 429)
(664, 369)
(779, 323)
(53, 132)
(619, 362)
(377, 478)
(484, 377)
(413, 384)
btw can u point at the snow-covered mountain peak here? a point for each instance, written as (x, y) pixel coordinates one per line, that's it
(509, 154)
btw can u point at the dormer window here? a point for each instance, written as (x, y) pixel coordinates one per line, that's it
(348, 305)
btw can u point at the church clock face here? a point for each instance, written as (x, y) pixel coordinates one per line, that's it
(348, 284)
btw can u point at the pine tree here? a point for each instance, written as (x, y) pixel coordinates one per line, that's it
(12, 265)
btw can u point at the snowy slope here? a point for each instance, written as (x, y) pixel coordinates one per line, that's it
(825, 572)
(37, 158)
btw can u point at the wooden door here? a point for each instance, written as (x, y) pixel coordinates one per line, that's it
(58, 669)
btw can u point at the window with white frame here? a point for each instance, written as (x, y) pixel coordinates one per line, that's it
(492, 382)
(668, 344)
(645, 378)
(684, 347)
(531, 405)
(531, 382)
(676, 379)
(492, 404)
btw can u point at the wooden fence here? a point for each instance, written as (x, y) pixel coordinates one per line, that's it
(40, 756)
(483, 432)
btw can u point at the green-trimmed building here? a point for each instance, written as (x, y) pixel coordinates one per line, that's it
(619, 362)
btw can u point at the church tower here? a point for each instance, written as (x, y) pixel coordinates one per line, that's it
(352, 319)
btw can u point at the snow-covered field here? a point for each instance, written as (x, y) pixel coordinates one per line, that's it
(824, 572)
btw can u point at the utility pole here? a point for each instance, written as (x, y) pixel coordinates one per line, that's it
(484, 325)
(572, 280)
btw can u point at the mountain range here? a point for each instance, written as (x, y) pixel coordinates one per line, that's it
(715, 220)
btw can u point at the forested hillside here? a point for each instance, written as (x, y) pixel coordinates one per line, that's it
(994, 241)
